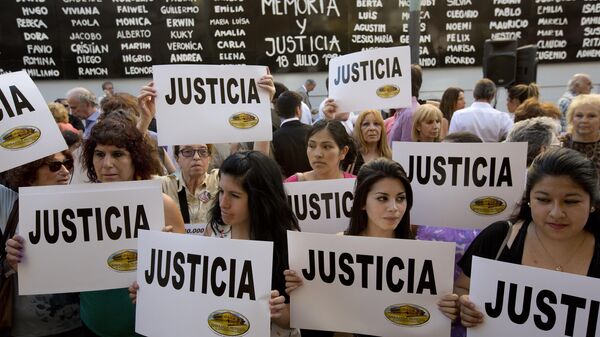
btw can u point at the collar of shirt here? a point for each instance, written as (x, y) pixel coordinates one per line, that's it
(92, 118)
(283, 121)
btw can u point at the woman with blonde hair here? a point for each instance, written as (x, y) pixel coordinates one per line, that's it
(61, 117)
(517, 94)
(427, 122)
(370, 138)
(583, 127)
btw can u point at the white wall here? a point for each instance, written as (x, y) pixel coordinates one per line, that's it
(552, 80)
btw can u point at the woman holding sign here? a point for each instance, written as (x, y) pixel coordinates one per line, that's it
(371, 139)
(382, 201)
(328, 146)
(42, 315)
(556, 227)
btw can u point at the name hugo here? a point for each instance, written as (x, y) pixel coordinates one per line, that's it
(52, 225)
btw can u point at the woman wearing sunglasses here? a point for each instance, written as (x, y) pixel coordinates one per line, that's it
(194, 188)
(42, 315)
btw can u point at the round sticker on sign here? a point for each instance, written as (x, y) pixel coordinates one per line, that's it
(243, 120)
(407, 314)
(20, 137)
(488, 205)
(228, 323)
(388, 91)
(123, 260)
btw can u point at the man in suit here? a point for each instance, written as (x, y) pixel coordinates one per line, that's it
(309, 85)
(84, 106)
(289, 142)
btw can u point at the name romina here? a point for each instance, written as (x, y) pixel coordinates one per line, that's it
(217, 275)
(330, 267)
(545, 301)
(18, 99)
(480, 171)
(95, 224)
(212, 91)
(368, 70)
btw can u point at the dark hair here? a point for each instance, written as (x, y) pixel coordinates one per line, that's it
(72, 138)
(24, 175)
(448, 102)
(369, 174)
(270, 214)
(279, 89)
(105, 84)
(563, 162)
(537, 132)
(118, 130)
(531, 108)
(523, 92)
(340, 136)
(121, 101)
(484, 89)
(416, 79)
(462, 137)
(287, 103)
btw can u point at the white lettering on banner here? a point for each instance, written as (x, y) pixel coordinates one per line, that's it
(541, 10)
(135, 45)
(43, 72)
(302, 7)
(39, 49)
(293, 44)
(189, 57)
(85, 23)
(38, 61)
(179, 9)
(131, 70)
(134, 34)
(92, 71)
(92, 10)
(27, 11)
(139, 21)
(31, 23)
(130, 9)
(35, 36)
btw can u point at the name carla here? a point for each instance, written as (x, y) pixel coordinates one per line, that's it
(368, 70)
(177, 268)
(213, 91)
(393, 272)
(48, 224)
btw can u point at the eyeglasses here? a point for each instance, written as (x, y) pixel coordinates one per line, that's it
(203, 153)
(56, 165)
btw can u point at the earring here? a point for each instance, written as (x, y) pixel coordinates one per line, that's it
(528, 204)
(593, 209)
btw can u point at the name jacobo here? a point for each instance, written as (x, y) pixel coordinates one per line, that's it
(385, 271)
(479, 171)
(177, 269)
(213, 91)
(546, 302)
(18, 99)
(368, 70)
(67, 224)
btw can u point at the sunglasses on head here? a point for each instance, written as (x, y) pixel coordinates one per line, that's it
(55, 165)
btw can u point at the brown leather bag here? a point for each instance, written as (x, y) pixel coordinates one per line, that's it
(7, 279)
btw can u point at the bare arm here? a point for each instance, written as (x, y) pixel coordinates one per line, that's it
(173, 218)
(469, 314)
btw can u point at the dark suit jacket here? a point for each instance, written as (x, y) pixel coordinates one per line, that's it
(302, 92)
(289, 148)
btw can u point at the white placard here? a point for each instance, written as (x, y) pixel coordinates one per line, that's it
(211, 104)
(371, 79)
(91, 240)
(27, 129)
(322, 206)
(535, 302)
(195, 228)
(382, 287)
(463, 185)
(204, 286)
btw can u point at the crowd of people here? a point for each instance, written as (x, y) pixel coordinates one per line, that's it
(555, 226)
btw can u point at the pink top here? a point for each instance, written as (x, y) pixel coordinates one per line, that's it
(294, 177)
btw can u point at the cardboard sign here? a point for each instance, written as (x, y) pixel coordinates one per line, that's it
(374, 286)
(27, 129)
(211, 104)
(322, 206)
(371, 79)
(201, 286)
(463, 185)
(526, 301)
(84, 237)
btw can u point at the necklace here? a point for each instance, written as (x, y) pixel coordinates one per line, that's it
(558, 266)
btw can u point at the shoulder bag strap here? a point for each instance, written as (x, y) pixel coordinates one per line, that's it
(505, 241)
(9, 231)
(183, 205)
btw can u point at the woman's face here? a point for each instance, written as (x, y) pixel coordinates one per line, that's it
(56, 171)
(586, 121)
(460, 101)
(385, 205)
(113, 163)
(194, 159)
(233, 201)
(559, 207)
(370, 129)
(512, 104)
(429, 129)
(323, 152)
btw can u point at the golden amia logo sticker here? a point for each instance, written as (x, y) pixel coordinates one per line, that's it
(123, 260)
(20, 137)
(388, 91)
(407, 314)
(228, 323)
(488, 205)
(243, 120)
